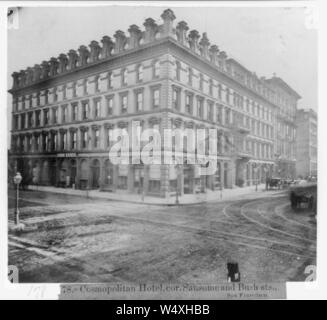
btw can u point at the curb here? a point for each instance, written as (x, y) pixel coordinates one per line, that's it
(142, 202)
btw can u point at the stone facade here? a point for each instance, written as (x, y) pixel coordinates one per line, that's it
(165, 77)
(306, 143)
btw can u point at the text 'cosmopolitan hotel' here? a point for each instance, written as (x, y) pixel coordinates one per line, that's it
(164, 76)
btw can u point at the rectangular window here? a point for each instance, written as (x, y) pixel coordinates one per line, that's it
(109, 135)
(188, 103)
(139, 101)
(85, 87)
(85, 110)
(97, 84)
(139, 73)
(227, 95)
(96, 138)
(45, 142)
(73, 139)
(110, 80)
(84, 139)
(211, 87)
(64, 92)
(219, 91)
(74, 112)
(210, 111)
(31, 101)
(190, 76)
(156, 69)
(64, 114)
(55, 95)
(201, 82)
(219, 115)
(38, 99)
(74, 90)
(124, 77)
(124, 104)
(176, 98)
(46, 117)
(37, 143)
(200, 108)
(16, 122)
(155, 98)
(23, 102)
(55, 115)
(30, 119)
(97, 109)
(110, 106)
(54, 141)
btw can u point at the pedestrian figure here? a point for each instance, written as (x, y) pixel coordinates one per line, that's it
(233, 272)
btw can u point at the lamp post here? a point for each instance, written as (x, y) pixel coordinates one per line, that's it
(17, 180)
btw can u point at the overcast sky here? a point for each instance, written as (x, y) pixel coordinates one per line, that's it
(264, 40)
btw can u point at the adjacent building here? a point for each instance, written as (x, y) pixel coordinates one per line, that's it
(163, 76)
(306, 143)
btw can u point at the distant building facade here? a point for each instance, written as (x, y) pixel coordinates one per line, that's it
(164, 76)
(306, 143)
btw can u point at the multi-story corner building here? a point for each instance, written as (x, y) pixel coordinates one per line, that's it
(164, 76)
(306, 143)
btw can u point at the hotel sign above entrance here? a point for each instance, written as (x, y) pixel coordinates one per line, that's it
(67, 155)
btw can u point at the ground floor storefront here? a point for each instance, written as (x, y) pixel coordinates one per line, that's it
(96, 172)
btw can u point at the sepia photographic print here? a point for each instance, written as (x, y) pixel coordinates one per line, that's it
(162, 151)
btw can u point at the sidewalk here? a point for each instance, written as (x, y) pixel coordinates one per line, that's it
(226, 194)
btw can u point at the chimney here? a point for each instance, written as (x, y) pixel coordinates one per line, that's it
(168, 18)
(150, 30)
(222, 59)
(120, 41)
(72, 59)
(37, 73)
(213, 51)
(53, 67)
(181, 30)
(45, 69)
(95, 50)
(204, 46)
(22, 78)
(15, 77)
(29, 75)
(107, 47)
(63, 61)
(83, 55)
(193, 40)
(135, 36)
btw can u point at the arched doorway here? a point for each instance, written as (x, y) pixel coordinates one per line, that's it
(64, 178)
(108, 175)
(73, 171)
(52, 172)
(95, 172)
(84, 174)
(45, 172)
(188, 179)
(36, 172)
